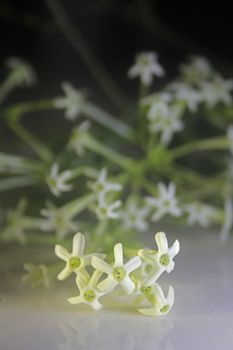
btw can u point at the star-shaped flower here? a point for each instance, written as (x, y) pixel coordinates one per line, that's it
(161, 259)
(77, 137)
(107, 211)
(200, 213)
(134, 217)
(217, 90)
(76, 260)
(198, 69)
(146, 67)
(166, 203)
(57, 182)
(187, 94)
(103, 186)
(21, 72)
(89, 293)
(118, 273)
(161, 304)
(73, 102)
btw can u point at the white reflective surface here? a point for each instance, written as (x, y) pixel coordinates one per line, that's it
(202, 317)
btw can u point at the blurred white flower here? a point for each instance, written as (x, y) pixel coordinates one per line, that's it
(77, 137)
(21, 72)
(217, 90)
(36, 275)
(146, 67)
(57, 182)
(165, 203)
(199, 213)
(161, 304)
(118, 272)
(107, 211)
(228, 220)
(103, 186)
(134, 217)
(158, 97)
(196, 70)
(73, 101)
(57, 220)
(187, 94)
(230, 137)
(165, 120)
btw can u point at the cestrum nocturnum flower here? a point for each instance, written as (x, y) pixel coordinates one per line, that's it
(134, 217)
(161, 304)
(161, 259)
(77, 138)
(76, 260)
(102, 186)
(118, 273)
(107, 211)
(165, 203)
(57, 182)
(21, 72)
(187, 94)
(145, 67)
(200, 213)
(196, 70)
(89, 293)
(217, 90)
(73, 101)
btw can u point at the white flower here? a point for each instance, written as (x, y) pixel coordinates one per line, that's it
(77, 137)
(158, 97)
(89, 293)
(197, 70)
(228, 220)
(76, 260)
(57, 182)
(166, 120)
(161, 259)
(218, 90)
(134, 217)
(166, 203)
(37, 275)
(230, 137)
(102, 185)
(73, 102)
(21, 72)
(187, 94)
(161, 304)
(57, 220)
(107, 211)
(145, 67)
(200, 213)
(118, 273)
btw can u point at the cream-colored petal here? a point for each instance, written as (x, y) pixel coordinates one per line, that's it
(78, 244)
(153, 276)
(128, 285)
(101, 265)
(86, 259)
(171, 296)
(96, 305)
(64, 273)
(82, 279)
(118, 254)
(107, 285)
(61, 252)
(147, 255)
(133, 264)
(175, 248)
(95, 278)
(149, 311)
(75, 300)
(161, 241)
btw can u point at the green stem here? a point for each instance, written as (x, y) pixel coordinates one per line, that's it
(84, 170)
(17, 164)
(16, 182)
(76, 206)
(216, 143)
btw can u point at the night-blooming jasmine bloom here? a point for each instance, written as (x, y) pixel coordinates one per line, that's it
(218, 90)
(76, 260)
(36, 275)
(57, 220)
(118, 273)
(187, 94)
(166, 120)
(228, 220)
(161, 304)
(73, 101)
(230, 137)
(57, 182)
(162, 97)
(146, 67)
(165, 203)
(134, 217)
(89, 293)
(21, 72)
(107, 211)
(77, 137)
(199, 213)
(198, 69)
(102, 185)
(161, 259)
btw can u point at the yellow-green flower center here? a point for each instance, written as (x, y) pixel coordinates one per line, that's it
(103, 211)
(118, 273)
(99, 187)
(74, 262)
(164, 259)
(146, 290)
(164, 309)
(89, 295)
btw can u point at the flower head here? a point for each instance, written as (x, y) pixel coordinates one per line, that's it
(134, 217)
(36, 275)
(21, 72)
(73, 102)
(145, 67)
(200, 213)
(165, 203)
(76, 260)
(107, 211)
(161, 259)
(161, 304)
(118, 273)
(89, 293)
(77, 137)
(217, 90)
(57, 182)
(103, 186)
(187, 94)
(196, 70)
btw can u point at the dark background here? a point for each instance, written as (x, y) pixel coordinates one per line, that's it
(115, 30)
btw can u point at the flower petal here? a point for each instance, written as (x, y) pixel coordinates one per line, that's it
(133, 264)
(78, 244)
(161, 241)
(174, 249)
(147, 255)
(101, 265)
(75, 300)
(96, 305)
(64, 273)
(118, 254)
(128, 285)
(61, 252)
(149, 311)
(107, 285)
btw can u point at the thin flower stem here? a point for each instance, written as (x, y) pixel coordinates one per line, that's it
(84, 170)
(78, 205)
(17, 164)
(17, 181)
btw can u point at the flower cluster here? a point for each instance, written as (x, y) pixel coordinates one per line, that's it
(95, 277)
